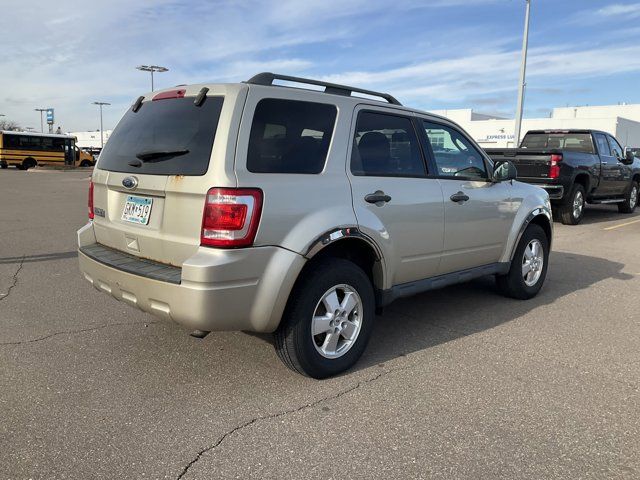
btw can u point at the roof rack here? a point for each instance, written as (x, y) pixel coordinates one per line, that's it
(267, 78)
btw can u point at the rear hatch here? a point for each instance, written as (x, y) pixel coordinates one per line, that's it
(151, 179)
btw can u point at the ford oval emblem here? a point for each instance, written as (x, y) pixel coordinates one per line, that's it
(130, 182)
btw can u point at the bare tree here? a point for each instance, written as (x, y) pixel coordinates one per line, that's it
(9, 125)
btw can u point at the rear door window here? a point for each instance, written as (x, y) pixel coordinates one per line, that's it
(164, 137)
(290, 136)
(603, 145)
(386, 146)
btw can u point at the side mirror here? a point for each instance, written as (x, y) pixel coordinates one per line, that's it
(628, 155)
(504, 171)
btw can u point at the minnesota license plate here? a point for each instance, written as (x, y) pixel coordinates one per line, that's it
(137, 210)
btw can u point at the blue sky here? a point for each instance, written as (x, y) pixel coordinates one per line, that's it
(431, 54)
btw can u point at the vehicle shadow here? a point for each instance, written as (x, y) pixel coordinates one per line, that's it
(604, 213)
(38, 258)
(437, 317)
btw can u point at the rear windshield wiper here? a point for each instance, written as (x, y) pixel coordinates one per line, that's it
(151, 155)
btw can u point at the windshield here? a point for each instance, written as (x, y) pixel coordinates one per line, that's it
(577, 142)
(161, 126)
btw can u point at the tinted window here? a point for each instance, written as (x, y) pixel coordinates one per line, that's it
(386, 145)
(603, 145)
(31, 142)
(576, 142)
(616, 149)
(454, 155)
(171, 125)
(288, 136)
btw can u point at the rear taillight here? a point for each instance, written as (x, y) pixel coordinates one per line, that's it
(91, 215)
(231, 217)
(554, 167)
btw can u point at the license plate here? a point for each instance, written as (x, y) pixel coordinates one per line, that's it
(137, 210)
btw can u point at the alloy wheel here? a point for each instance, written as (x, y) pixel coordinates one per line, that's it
(337, 321)
(532, 262)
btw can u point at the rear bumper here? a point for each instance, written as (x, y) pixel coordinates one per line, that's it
(556, 192)
(215, 290)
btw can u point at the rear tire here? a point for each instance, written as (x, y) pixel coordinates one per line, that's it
(335, 300)
(85, 163)
(630, 199)
(572, 209)
(4, 166)
(28, 163)
(529, 265)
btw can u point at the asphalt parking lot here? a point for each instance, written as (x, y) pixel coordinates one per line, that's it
(457, 383)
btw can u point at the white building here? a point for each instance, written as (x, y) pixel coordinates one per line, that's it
(622, 121)
(91, 139)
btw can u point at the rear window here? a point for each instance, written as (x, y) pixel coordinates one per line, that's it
(576, 142)
(290, 136)
(164, 137)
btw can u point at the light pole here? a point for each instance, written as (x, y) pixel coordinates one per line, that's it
(41, 123)
(523, 73)
(152, 68)
(100, 104)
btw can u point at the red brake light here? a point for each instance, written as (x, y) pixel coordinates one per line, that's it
(91, 215)
(554, 168)
(231, 217)
(169, 94)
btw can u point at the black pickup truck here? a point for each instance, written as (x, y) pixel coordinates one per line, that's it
(576, 167)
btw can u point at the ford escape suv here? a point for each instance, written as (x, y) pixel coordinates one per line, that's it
(300, 211)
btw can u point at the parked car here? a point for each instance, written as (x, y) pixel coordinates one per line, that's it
(265, 208)
(576, 167)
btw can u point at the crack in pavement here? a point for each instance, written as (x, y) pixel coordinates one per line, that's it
(306, 406)
(99, 327)
(15, 280)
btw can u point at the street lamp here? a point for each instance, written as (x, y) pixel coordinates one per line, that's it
(100, 104)
(41, 123)
(523, 71)
(152, 68)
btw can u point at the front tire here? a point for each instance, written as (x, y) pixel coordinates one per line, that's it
(529, 265)
(630, 199)
(572, 210)
(328, 320)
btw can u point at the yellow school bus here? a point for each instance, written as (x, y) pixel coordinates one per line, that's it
(27, 149)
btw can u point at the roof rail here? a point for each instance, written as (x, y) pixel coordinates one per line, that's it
(267, 78)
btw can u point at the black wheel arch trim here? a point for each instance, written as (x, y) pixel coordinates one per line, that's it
(337, 234)
(538, 212)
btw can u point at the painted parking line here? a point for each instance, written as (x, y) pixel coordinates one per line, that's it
(622, 225)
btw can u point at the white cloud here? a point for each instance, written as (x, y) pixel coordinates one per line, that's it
(631, 9)
(69, 53)
(456, 79)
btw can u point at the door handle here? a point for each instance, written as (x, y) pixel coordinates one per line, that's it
(459, 197)
(377, 197)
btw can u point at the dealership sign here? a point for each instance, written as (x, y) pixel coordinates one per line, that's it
(50, 116)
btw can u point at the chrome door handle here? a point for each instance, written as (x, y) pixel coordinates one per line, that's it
(459, 197)
(377, 197)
